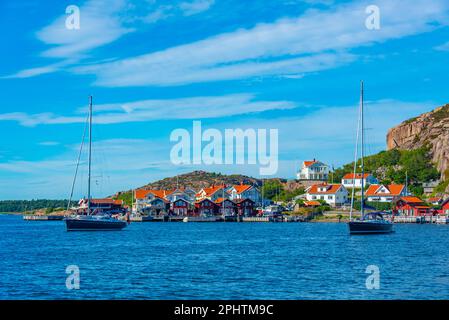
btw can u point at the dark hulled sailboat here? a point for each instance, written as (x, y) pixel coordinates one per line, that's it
(369, 223)
(92, 222)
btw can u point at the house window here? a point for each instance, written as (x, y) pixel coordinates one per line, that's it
(330, 197)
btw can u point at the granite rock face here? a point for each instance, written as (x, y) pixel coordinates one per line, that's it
(432, 129)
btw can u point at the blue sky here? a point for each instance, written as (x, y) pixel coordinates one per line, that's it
(154, 66)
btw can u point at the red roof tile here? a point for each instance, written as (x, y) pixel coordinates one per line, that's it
(330, 188)
(142, 193)
(357, 175)
(412, 199)
(395, 190)
(311, 203)
(241, 187)
(309, 163)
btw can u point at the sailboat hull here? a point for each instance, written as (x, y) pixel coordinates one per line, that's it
(370, 227)
(94, 224)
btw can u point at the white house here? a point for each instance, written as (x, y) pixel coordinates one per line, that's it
(385, 193)
(350, 180)
(212, 193)
(147, 200)
(245, 191)
(313, 170)
(187, 194)
(333, 194)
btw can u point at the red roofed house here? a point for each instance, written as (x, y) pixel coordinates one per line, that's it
(102, 204)
(245, 191)
(435, 201)
(153, 202)
(385, 193)
(313, 170)
(212, 193)
(444, 207)
(411, 206)
(350, 180)
(333, 194)
(312, 204)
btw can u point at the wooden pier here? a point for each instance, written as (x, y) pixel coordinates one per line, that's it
(42, 217)
(201, 219)
(257, 219)
(141, 218)
(421, 219)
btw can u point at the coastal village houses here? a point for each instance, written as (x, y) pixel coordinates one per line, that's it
(334, 194)
(212, 193)
(385, 193)
(411, 206)
(350, 180)
(245, 191)
(313, 170)
(152, 201)
(214, 200)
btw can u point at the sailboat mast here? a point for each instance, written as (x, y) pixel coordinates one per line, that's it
(90, 154)
(362, 206)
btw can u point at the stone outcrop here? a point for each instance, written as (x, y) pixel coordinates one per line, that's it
(432, 129)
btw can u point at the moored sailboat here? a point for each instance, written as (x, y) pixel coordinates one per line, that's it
(93, 220)
(373, 222)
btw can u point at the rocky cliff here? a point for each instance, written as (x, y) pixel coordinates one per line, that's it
(431, 129)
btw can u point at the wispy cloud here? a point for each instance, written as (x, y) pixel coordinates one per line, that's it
(314, 41)
(194, 7)
(152, 110)
(443, 47)
(101, 22)
(99, 25)
(49, 143)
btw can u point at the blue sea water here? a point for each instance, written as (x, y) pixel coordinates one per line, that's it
(221, 261)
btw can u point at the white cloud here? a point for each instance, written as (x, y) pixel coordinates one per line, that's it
(196, 6)
(99, 25)
(315, 41)
(443, 47)
(152, 110)
(49, 143)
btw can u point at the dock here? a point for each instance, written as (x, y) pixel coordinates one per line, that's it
(42, 217)
(200, 219)
(141, 218)
(421, 219)
(257, 219)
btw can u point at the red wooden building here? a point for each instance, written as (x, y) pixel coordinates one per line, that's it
(206, 207)
(226, 207)
(411, 206)
(444, 208)
(245, 207)
(181, 207)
